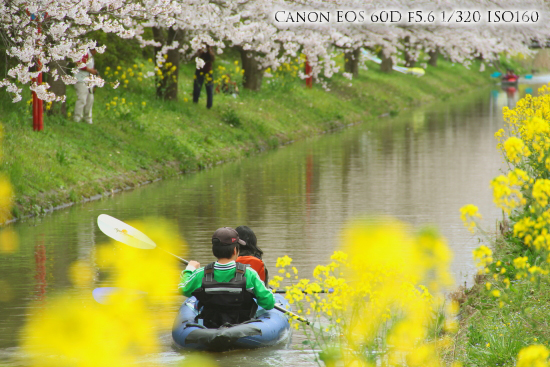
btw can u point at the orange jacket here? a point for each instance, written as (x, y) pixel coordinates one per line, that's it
(255, 264)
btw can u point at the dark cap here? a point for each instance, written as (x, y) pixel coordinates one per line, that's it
(226, 236)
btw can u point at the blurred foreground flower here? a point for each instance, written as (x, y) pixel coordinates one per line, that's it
(151, 271)
(73, 330)
(9, 240)
(385, 303)
(6, 199)
(6, 191)
(533, 356)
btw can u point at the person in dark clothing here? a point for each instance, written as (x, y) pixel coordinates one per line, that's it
(205, 73)
(251, 254)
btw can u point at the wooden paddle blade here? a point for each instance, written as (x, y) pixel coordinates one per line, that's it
(124, 233)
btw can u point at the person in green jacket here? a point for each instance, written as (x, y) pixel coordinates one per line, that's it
(228, 292)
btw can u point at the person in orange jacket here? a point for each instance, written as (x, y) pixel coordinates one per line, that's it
(251, 254)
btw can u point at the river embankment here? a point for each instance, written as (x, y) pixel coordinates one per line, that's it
(137, 138)
(504, 316)
(499, 317)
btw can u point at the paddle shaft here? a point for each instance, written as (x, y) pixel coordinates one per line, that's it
(300, 318)
(176, 256)
(284, 291)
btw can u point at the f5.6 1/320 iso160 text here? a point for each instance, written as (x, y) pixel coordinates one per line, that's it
(465, 17)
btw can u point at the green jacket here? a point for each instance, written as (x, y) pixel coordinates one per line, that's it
(192, 279)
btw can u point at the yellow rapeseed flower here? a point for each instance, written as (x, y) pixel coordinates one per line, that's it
(9, 240)
(6, 199)
(533, 356)
(515, 149)
(283, 261)
(541, 191)
(468, 214)
(521, 262)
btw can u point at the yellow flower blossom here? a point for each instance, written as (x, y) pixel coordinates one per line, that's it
(103, 335)
(541, 191)
(533, 356)
(521, 262)
(468, 213)
(515, 149)
(9, 240)
(283, 261)
(362, 270)
(483, 256)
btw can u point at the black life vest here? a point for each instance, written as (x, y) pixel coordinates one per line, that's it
(226, 302)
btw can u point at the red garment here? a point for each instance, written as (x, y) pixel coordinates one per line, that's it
(255, 264)
(85, 61)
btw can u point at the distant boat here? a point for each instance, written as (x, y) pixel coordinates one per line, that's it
(510, 81)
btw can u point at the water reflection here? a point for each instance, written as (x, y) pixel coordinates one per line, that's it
(421, 167)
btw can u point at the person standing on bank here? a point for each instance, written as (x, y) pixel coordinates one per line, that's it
(206, 72)
(228, 292)
(85, 94)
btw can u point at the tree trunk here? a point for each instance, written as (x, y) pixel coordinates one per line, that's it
(433, 57)
(172, 71)
(410, 59)
(352, 61)
(167, 84)
(253, 75)
(59, 88)
(158, 36)
(387, 63)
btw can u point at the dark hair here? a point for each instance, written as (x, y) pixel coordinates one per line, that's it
(251, 248)
(223, 251)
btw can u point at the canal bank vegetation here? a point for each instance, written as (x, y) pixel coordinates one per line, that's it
(136, 137)
(401, 272)
(505, 316)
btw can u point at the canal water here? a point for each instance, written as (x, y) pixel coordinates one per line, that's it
(420, 166)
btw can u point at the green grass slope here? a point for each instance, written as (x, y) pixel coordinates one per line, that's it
(143, 138)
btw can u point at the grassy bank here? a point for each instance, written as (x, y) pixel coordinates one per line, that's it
(505, 316)
(137, 138)
(493, 330)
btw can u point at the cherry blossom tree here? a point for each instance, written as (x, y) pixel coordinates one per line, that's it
(40, 36)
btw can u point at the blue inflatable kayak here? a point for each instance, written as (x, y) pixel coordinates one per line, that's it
(268, 328)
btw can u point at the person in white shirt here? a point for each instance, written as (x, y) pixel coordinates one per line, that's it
(85, 94)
